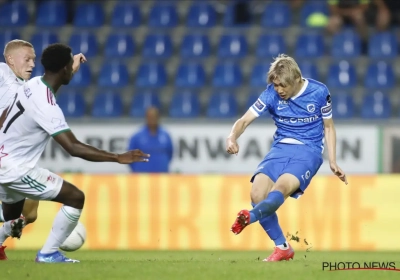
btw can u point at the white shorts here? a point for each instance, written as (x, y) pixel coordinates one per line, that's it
(36, 184)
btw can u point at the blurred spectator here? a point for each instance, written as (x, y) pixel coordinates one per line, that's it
(154, 140)
(242, 12)
(388, 13)
(344, 12)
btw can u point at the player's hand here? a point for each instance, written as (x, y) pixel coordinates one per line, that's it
(232, 146)
(133, 156)
(78, 59)
(338, 172)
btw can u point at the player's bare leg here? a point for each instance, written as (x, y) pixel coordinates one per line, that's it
(13, 224)
(265, 211)
(30, 210)
(66, 220)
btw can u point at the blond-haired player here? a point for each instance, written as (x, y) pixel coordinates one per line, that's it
(302, 111)
(20, 60)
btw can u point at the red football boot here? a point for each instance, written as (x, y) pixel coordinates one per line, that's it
(280, 255)
(3, 255)
(242, 221)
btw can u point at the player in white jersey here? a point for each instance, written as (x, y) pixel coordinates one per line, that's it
(32, 120)
(20, 61)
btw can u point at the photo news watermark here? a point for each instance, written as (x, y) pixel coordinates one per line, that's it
(340, 266)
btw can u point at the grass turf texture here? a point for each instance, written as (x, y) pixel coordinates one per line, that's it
(194, 265)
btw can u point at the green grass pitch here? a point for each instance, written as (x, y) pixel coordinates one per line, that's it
(192, 265)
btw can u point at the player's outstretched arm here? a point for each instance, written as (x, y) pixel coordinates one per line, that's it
(78, 60)
(330, 137)
(78, 149)
(238, 128)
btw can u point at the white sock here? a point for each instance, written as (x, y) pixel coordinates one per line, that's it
(284, 246)
(1, 214)
(5, 232)
(64, 223)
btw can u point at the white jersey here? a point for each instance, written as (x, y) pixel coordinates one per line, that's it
(33, 118)
(9, 83)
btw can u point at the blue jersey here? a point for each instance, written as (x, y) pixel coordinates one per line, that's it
(299, 120)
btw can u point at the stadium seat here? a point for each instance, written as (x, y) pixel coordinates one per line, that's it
(184, 104)
(41, 40)
(113, 74)
(126, 14)
(258, 77)
(309, 45)
(119, 46)
(376, 105)
(84, 42)
(346, 44)
(309, 70)
(342, 105)
(72, 104)
(163, 15)
(151, 75)
(277, 15)
(342, 75)
(201, 15)
(229, 17)
(270, 45)
(222, 105)
(157, 46)
(107, 105)
(13, 14)
(190, 75)
(143, 100)
(383, 45)
(232, 46)
(6, 36)
(51, 14)
(83, 77)
(313, 8)
(227, 74)
(195, 46)
(89, 15)
(379, 75)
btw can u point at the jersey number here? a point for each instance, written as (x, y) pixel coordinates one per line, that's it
(19, 113)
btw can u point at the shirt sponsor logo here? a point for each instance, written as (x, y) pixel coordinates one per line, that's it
(299, 120)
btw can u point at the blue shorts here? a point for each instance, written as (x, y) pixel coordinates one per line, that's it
(298, 160)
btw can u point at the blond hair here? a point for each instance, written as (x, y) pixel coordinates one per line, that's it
(285, 69)
(15, 44)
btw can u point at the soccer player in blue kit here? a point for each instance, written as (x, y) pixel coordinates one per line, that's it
(302, 111)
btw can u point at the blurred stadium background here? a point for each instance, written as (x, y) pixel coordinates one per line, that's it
(202, 64)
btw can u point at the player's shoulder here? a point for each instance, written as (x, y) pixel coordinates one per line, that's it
(6, 71)
(35, 90)
(4, 67)
(269, 92)
(318, 86)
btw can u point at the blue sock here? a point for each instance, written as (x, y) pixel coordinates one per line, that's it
(267, 207)
(271, 226)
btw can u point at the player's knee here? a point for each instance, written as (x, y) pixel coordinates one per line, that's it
(75, 198)
(79, 199)
(31, 217)
(257, 195)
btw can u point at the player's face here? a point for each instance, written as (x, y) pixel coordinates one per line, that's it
(22, 61)
(284, 91)
(68, 72)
